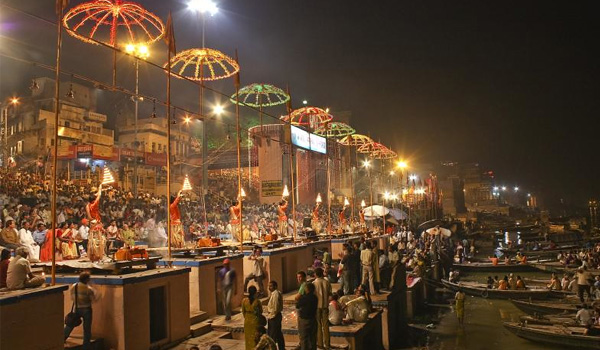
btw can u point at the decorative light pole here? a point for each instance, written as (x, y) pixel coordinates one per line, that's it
(138, 51)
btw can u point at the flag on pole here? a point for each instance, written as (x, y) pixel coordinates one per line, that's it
(61, 5)
(237, 75)
(170, 36)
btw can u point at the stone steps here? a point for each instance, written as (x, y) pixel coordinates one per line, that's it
(74, 343)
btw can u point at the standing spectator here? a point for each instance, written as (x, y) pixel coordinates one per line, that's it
(583, 283)
(356, 265)
(301, 278)
(323, 292)
(274, 308)
(347, 269)
(227, 285)
(83, 295)
(251, 310)
(307, 323)
(4, 261)
(257, 273)
(19, 275)
(394, 259)
(366, 260)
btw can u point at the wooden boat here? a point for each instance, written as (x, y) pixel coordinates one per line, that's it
(481, 290)
(566, 320)
(550, 266)
(544, 308)
(489, 267)
(557, 335)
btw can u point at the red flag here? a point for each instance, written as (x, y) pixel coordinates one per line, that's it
(289, 102)
(61, 5)
(237, 75)
(170, 36)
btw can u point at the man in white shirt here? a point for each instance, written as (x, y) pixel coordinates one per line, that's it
(274, 308)
(323, 292)
(26, 239)
(257, 274)
(19, 273)
(83, 234)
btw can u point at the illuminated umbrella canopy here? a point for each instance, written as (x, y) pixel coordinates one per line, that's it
(203, 64)
(356, 140)
(335, 130)
(260, 95)
(383, 153)
(371, 148)
(308, 116)
(104, 20)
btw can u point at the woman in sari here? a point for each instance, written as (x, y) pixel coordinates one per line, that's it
(46, 249)
(68, 247)
(251, 310)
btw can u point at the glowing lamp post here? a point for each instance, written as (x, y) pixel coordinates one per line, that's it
(319, 199)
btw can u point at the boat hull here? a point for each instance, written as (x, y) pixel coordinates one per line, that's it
(497, 294)
(541, 309)
(549, 335)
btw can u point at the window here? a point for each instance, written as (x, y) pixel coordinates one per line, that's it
(20, 147)
(153, 147)
(67, 124)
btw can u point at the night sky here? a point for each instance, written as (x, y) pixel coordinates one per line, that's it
(512, 85)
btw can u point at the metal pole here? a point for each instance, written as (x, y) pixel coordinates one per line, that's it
(169, 151)
(135, 138)
(291, 161)
(56, 119)
(239, 151)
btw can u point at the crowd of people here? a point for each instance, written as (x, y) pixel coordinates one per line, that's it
(317, 306)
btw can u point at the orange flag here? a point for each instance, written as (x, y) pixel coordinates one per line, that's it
(170, 35)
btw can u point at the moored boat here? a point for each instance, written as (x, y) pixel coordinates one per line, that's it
(554, 334)
(481, 290)
(490, 267)
(544, 308)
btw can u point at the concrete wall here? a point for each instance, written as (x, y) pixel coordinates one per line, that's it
(203, 285)
(121, 316)
(33, 323)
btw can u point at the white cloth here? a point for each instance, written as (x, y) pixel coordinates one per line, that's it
(275, 305)
(84, 232)
(336, 313)
(584, 317)
(26, 239)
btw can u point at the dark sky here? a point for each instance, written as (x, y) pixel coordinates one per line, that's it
(512, 85)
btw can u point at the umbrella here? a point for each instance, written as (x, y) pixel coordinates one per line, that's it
(398, 214)
(392, 220)
(429, 224)
(376, 210)
(439, 230)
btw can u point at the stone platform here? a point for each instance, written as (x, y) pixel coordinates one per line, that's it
(356, 336)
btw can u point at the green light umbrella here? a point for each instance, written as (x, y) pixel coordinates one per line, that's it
(335, 130)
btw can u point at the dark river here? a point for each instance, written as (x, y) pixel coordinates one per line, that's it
(483, 329)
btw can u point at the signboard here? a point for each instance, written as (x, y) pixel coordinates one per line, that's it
(318, 144)
(156, 159)
(84, 151)
(300, 138)
(271, 188)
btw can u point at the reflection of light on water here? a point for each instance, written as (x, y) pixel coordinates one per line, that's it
(506, 237)
(518, 237)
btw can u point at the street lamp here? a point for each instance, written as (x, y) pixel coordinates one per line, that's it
(138, 51)
(367, 165)
(203, 7)
(516, 188)
(218, 110)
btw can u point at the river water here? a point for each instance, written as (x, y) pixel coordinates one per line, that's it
(483, 329)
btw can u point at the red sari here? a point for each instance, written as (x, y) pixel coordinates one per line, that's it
(46, 249)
